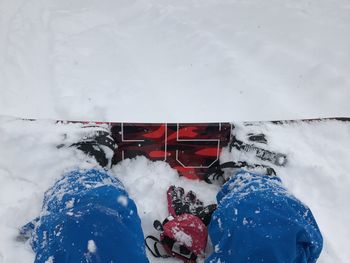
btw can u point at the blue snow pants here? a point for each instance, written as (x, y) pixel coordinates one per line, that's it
(258, 220)
(88, 216)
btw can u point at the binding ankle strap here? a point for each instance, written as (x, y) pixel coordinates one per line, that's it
(155, 252)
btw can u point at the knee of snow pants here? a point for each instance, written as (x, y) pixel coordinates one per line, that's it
(258, 220)
(87, 216)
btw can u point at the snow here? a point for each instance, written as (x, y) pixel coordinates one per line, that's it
(123, 200)
(147, 183)
(91, 246)
(148, 60)
(182, 237)
(166, 61)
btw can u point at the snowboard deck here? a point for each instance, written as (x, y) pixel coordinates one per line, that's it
(193, 149)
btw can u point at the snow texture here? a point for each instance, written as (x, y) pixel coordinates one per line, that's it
(166, 61)
(182, 237)
(91, 246)
(188, 60)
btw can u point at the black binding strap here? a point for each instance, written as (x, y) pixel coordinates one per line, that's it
(268, 170)
(156, 252)
(216, 172)
(276, 158)
(178, 249)
(170, 245)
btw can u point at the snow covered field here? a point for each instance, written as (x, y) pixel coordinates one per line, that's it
(167, 61)
(184, 60)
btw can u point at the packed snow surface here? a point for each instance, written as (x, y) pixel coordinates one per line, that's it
(174, 61)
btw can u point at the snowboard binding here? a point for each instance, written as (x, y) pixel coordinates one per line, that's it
(95, 141)
(222, 172)
(276, 158)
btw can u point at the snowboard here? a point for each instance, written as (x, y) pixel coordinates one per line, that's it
(193, 149)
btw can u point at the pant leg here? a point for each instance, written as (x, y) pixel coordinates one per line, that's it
(88, 217)
(258, 220)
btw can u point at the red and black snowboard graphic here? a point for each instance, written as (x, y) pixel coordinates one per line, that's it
(192, 149)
